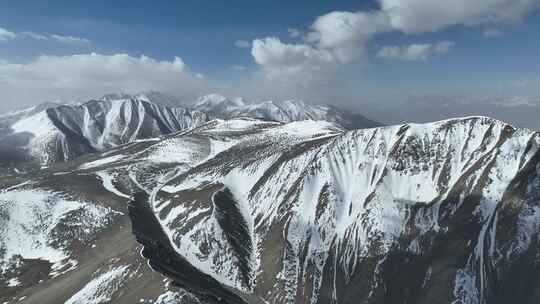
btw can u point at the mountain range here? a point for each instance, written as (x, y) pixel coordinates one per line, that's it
(280, 202)
(53, 133)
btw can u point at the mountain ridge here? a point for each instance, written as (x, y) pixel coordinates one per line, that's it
(52, 133)
(415, 213)
(374, 230)
(218, 106)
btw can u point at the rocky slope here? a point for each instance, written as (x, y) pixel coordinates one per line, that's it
(249, 211)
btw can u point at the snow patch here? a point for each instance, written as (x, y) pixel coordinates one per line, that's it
(102, 162)
(101, 288)
(175, 297)
(43, 133)
(465, 289)
(13, 282)
(108, 179)
(29, 221)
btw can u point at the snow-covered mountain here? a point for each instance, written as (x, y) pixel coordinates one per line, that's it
(218, 106)
(63, 132)
(251, 211)
(53, 133)
(149, 96)
(445, 212)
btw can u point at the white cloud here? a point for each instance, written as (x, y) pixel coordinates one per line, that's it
(294, 33)
(492, 33)
(80, 77)
(415, 52)
(414, 16)
(291, 63)
(340, 38)
(272, 52)
(243, 44)
(335, 39)
(69, 39)
(33, 35)
(6, 35)
(345, 34)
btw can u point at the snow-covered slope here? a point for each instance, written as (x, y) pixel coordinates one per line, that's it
(33, 220)
(306, 212)
(217, 106)
(418, 213)
(148, 96)
(55, 133)
(65, 238)
(252, 211)
(64, 132)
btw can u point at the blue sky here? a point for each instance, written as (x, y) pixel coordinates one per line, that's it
(201, 32)
(339, 50)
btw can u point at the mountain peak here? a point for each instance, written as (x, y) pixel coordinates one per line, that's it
(216, 102)
(148, 96)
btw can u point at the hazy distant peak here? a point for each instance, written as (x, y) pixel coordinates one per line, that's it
(217, 102)
(149, 96)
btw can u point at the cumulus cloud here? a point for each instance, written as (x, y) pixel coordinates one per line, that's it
(345, 34)
(272, 52)
(243, 44)
(414, 16)
(415, 52)
(340, 38)
(296, 63)
(335, 39)
(6, 35)
(81, 77)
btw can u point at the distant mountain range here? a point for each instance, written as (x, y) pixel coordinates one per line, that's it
(53, 133)
(217, 106)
